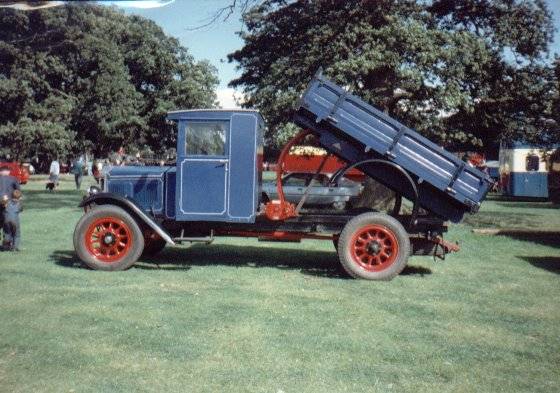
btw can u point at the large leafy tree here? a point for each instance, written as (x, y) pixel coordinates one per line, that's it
(84, 77)
(461, 72)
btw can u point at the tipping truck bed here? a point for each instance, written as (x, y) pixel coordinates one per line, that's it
(355, 131)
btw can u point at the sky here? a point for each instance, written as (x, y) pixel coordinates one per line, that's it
(178, 18)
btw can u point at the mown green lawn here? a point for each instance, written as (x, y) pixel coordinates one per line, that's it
(244, 316)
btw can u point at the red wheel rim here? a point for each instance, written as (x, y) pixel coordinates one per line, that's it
(108, 239)
(374, 248)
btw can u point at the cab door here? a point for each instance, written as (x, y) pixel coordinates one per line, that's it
(202, 170)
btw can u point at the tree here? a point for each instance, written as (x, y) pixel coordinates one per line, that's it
(85, 77)
(461, 73)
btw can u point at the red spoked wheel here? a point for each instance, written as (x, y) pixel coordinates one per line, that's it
(108, 239)
(374, 247)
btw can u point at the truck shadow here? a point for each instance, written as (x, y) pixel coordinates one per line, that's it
(552, 264)
(545, 238)
(309, 262)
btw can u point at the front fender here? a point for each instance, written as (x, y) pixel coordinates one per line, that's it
(107, 198)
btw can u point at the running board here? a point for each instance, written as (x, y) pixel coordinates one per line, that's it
(205, 239)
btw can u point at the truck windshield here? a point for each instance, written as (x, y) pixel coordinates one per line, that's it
(206, 138)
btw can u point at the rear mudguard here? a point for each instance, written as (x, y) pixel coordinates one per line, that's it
(107, 198)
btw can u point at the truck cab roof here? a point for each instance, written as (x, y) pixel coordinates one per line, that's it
(207, 113)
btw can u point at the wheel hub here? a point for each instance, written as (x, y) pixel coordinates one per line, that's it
(374, 247)
(109, 239)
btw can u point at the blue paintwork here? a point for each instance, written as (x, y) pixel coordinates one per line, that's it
(201, 188)
(527, 184)
(144, 184)
(447, 186)
(220, 188)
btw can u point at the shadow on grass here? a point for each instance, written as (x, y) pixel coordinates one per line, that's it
(310, 262)
(416, 271)
(550, 239)
(506, 198)
(43, 199)
(552, 264)
(500, 219)
(66, 258)
(528, 204)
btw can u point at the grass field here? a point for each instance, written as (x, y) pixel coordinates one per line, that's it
(243, 316)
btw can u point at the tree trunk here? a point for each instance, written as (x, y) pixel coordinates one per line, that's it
(376, 196)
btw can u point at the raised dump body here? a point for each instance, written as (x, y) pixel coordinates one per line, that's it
(355, 131)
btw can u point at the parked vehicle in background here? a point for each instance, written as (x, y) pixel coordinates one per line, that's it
(306, 159)
(493, 170)
(321, 193)
(523, 170)
(30, 168)
(18, 171)
(554, 176)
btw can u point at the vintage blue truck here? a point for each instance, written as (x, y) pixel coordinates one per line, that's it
(215, 189)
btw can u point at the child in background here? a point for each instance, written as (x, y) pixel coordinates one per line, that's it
(12, 233)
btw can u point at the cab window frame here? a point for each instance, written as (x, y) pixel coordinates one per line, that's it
(198, 152)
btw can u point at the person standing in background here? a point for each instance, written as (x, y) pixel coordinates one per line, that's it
(54, 173)
(11, 226)
(78, 171)
(96, 170)
(8, 184)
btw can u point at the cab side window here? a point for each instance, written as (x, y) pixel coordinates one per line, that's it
(206, 138)
(532, 163)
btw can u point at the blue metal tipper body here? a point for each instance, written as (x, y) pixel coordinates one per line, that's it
(214, 189)
(355, 131)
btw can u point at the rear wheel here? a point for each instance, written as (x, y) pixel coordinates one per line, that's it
(374, 246)
(108, 238)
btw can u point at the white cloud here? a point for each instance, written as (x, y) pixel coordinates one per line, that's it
(139, 4)
(229, 98)
(27, 6)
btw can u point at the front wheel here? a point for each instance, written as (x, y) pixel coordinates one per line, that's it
(108, 238)
(374, 246)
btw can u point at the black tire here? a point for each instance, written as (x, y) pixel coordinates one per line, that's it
(384, 252)
(335, 242)
(127, 232)
(153, 244)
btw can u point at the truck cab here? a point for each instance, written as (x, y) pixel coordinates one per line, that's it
(217, 176)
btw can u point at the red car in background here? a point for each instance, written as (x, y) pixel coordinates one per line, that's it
(18, 171)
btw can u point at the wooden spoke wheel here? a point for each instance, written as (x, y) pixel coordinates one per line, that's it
(374, 246)
(108, 238)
